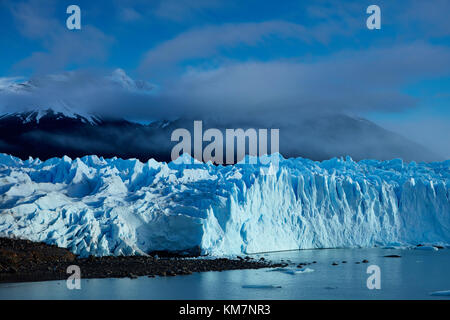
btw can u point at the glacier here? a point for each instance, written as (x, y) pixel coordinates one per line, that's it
(97, 206)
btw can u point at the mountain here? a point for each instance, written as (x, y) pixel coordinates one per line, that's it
(118, 77)
(338, 135)
(51, 133)
(49, 115)
(96, 206)
(56, 126)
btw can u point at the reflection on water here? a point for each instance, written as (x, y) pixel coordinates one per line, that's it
(413, 276)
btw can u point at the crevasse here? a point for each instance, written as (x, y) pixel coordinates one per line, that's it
(123, 207)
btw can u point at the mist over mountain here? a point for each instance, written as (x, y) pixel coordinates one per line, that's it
(78, 114)
(46, 134)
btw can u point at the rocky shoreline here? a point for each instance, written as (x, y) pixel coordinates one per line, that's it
(25, 261)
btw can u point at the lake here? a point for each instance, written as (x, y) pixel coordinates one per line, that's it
(413, 276)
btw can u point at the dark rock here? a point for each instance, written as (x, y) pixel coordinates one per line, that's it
(191, 252)
(12, 269)
(38, 261)
(392, 256)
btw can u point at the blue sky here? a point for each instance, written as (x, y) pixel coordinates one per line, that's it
(295, 55)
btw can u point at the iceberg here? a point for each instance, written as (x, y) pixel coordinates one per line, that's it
(445, 293)
(292, 271)
(97, 206)
(261, 286)
(426, 248)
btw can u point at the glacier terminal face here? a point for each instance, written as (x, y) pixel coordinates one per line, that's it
(96, 206)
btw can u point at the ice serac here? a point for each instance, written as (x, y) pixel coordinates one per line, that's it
(97, 206)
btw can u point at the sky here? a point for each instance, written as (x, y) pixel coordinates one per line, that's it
(278, 59)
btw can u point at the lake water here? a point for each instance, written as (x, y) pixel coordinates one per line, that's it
(413, 276)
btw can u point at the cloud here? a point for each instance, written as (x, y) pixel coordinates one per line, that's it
(176, 10)
(34, 18)
(173, 11)
(411, 19)
(207, 41)
(421, 17)
(372, 77)
(284, 94)
(430, 131)
(414, 19)
(129, 14)
(83, 92)
(62, 48)
(349, 82)
(7, 81)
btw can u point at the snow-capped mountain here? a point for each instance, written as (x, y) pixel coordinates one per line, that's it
(49, 133)
(59, 107)
(117, 77)
(47, 123)
(35, 116)
(103, 206)
(122, 79)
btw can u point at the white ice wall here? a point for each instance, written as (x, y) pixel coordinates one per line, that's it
(113, 206)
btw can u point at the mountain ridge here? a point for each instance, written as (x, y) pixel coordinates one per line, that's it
(55, 134)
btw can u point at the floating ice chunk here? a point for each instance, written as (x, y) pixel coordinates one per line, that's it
(304, 270)
(261, 286)
(441, 293)
(396, 246)
(404, 247)
(426, 248)
(278, 270)
(292, 270)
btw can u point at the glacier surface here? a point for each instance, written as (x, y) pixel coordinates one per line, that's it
(96, 206)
